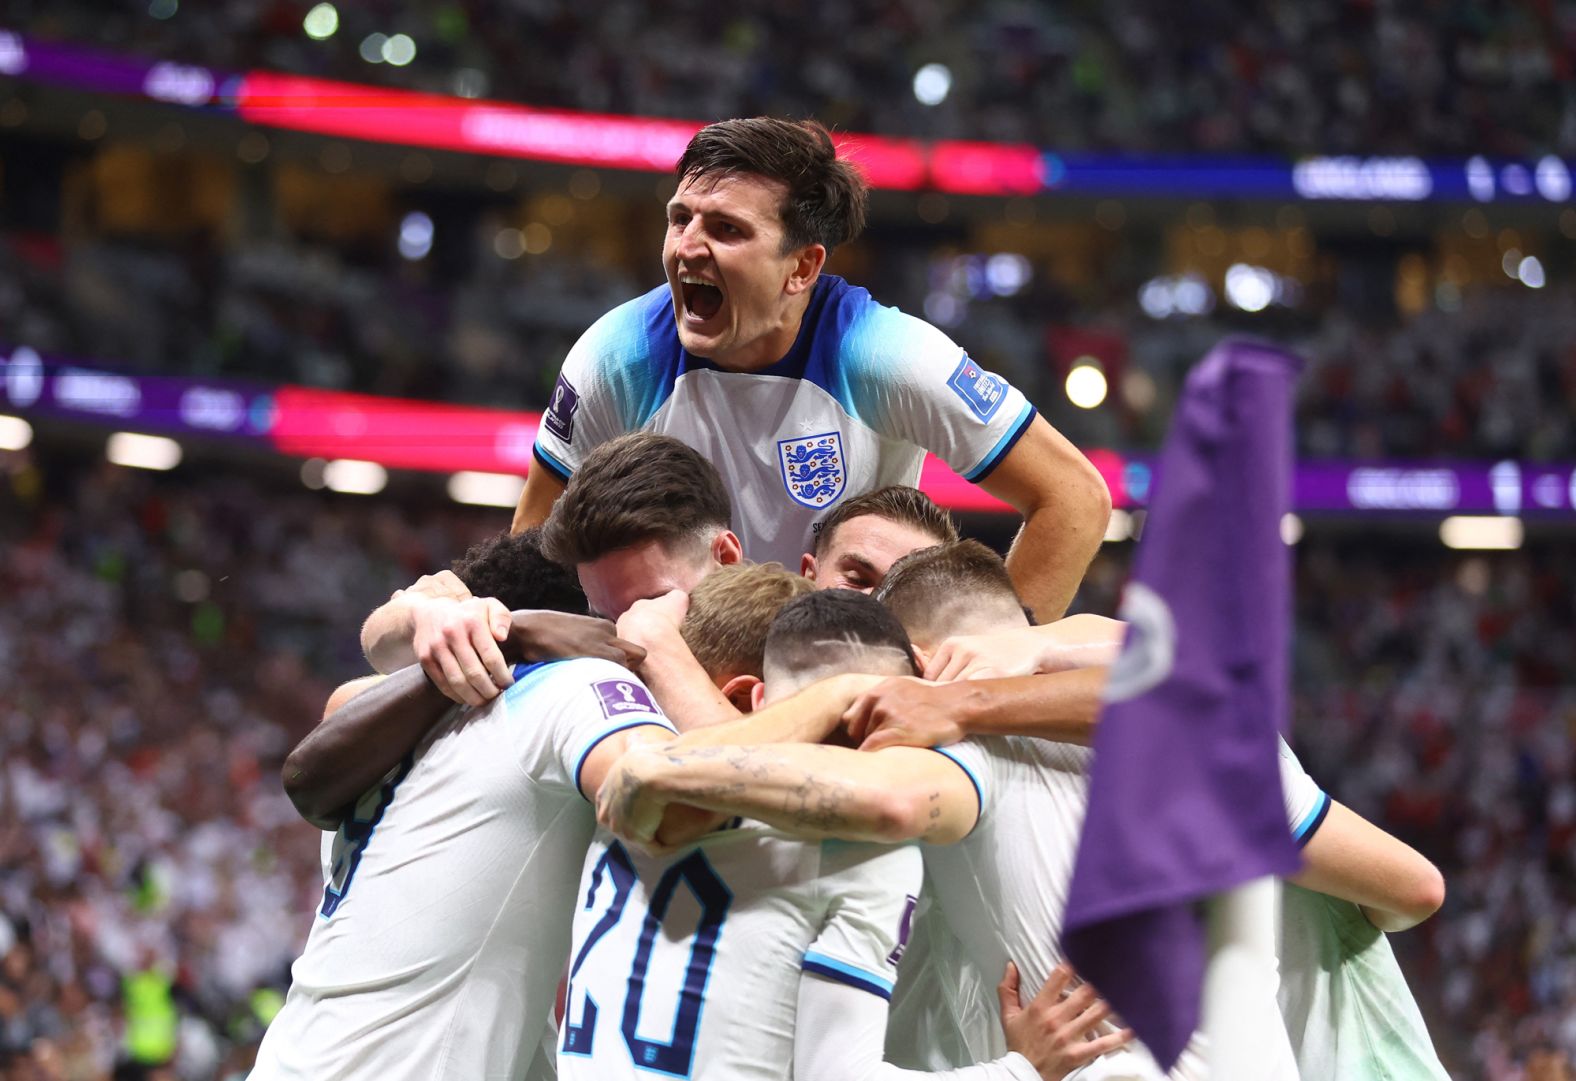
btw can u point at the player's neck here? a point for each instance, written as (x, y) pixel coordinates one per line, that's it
(772, 346)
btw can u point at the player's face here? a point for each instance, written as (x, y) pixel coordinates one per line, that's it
(733, 287)
(619, 579)
(862, 550)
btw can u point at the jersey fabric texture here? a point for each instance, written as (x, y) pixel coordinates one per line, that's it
(853, 406)
(445, 917)
(689, 964)
(1348, 1009)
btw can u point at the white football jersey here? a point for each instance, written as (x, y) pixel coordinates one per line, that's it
(1348, 1009)
(444, 924)
(688, 964)
(859, 398)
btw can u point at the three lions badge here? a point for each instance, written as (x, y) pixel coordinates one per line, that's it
(814, 468)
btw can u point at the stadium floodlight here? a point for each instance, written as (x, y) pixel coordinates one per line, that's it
(1120, 526)
(321, 22)
(1530, 271)
(372, 47)
(399, 50)
(15, 433)
(353, 477)
(415, 235)
(1501, 533)
(1291, 528)
(1086, 386)
(137, 451)
(932, 84)
(486, 489)
(1250, 288)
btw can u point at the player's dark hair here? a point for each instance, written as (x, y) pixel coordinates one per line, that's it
(513, 568)
(928, 590)
(730, 613)
(821, 628)
(826, 195)
(636, 488)
(896, 503)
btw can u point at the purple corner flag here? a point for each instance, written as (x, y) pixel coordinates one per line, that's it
(1184, 797)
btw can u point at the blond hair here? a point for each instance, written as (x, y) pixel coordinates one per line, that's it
(730, 612)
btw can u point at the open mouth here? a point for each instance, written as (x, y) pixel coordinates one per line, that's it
(701, 299)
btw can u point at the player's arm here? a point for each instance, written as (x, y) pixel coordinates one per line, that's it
(683, 689)
(1346, 856)
(898, 794)
(1081, 641)
(542, 489)
(904, 711)
(452, 635)
(1065, 506)
(370, 725)
(1351, 858)
(840, 1031)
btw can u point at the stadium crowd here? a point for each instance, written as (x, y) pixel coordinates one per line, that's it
(1328, 77)
(1495, 377)
(167, 639)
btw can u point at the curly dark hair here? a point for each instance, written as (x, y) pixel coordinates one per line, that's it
(513, 568)
(826, 195)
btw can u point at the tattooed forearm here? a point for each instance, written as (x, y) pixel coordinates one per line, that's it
(794, 788)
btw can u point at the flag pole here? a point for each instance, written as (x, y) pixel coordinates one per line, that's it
(1244, 1033)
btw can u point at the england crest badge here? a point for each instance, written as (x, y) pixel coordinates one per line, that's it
(814, 468)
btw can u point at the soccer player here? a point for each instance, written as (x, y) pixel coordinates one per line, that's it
(752, 954)
(799, 386)
(865, 534)
(444, 921)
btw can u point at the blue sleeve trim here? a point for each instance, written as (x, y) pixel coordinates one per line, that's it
(1312, 821)
(842, 972)
(979, 791)
(580, 763)
(551, 464)
(1003, 446)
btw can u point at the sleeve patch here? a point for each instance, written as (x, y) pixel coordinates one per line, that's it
(560, 416)
(981, 391)
(621, 697)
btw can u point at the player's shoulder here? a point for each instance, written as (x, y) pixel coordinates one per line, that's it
(872, 337)
(619, 689)
(632, 351)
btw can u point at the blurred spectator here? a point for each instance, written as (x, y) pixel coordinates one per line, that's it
(1284, 77)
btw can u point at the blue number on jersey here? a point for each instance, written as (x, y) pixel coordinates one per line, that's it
(355, 832)
(676, 1056)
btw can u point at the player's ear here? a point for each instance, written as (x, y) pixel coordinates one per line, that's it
(807, 265)
(807, 566)
(743, 691)
(757, 696)
(726, 548)
(921, 657)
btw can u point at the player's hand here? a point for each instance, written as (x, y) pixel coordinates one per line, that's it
(906, 712)
(627, 804)
(549, 636)
(456, 643)
(445, 585)
(1055, 1031)
(655, 619)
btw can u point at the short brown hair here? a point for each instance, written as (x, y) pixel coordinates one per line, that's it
(896, 503)
(730, 612)
(826, 196)
(636, 488)
(930, 590)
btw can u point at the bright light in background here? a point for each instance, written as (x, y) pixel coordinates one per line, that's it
(509, 244)
(399, 50)
(1481, 532)
(312, 473)
(372, 48)
(354, 477)
(163, 9)
(15, 433)
(1553, 179)
(1510, 262)
(486, 489)
(1086, 384)
(321, 22)
(1007, 273)
(143, 451)
(1530, 271)
(1291, 528)
(1120, 527)
(1185, 294)
(1250, 288)
(932, 84)
(944, 309)
(415, 235)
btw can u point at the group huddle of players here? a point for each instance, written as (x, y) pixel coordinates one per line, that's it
(631, 800)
